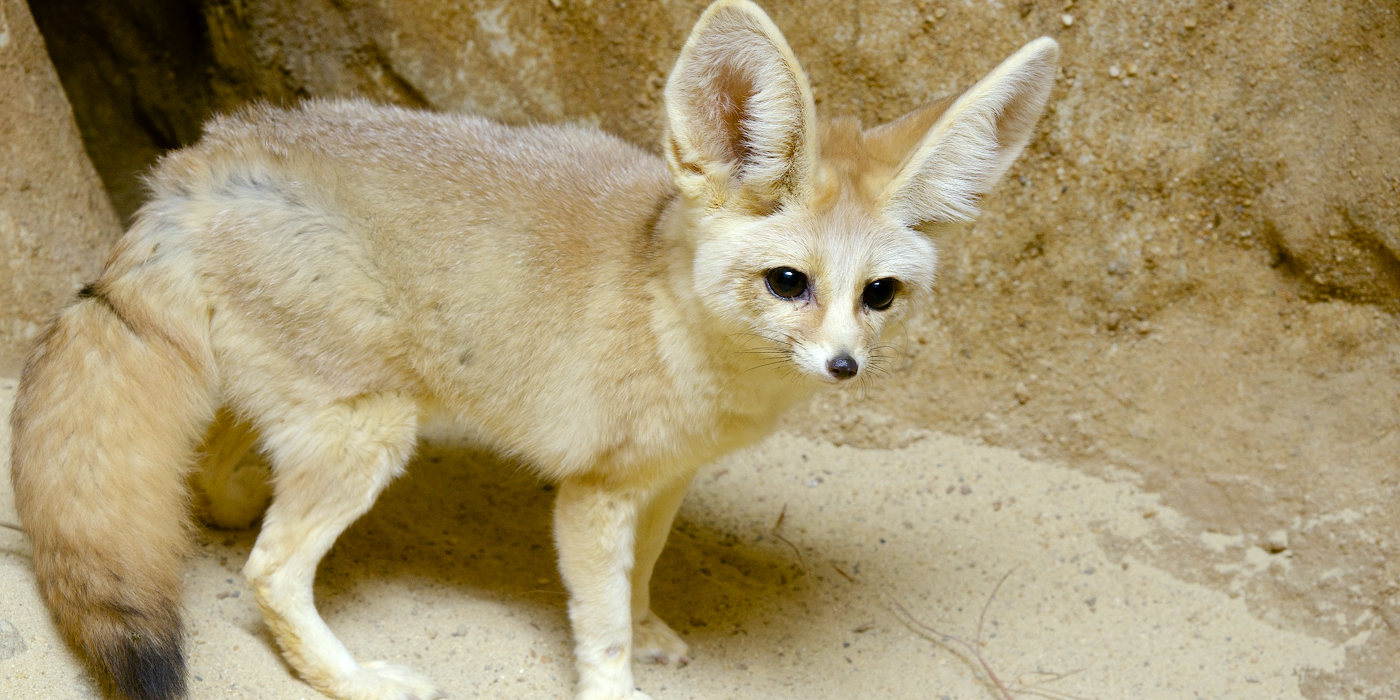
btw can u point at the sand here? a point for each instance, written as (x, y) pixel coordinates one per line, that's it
(785, 572)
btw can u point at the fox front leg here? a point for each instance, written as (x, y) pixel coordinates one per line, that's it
(653, 641)
(595, 530)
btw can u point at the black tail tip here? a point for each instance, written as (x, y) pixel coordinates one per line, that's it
(147, 668)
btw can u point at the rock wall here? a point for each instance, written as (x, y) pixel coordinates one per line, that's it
(55, 219)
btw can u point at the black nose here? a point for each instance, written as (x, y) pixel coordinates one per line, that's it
(842, 366)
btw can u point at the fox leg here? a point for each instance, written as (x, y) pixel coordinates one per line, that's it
(595, 529)
(234, 491)
(329, 465)
(652, 640)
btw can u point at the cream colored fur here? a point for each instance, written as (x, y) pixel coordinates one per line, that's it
(334, 275)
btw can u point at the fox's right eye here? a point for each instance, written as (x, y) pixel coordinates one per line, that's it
(786, 282)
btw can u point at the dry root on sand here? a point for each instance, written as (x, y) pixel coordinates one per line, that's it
(974, 647)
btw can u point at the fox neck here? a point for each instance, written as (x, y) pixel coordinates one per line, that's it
(708, 349)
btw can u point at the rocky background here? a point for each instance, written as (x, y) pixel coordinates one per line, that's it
(55, 220)
(1189, 281)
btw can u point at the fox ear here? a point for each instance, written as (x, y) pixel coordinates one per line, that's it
(973, 141)
(740, 124)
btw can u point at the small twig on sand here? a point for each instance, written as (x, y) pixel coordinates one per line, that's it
(1034, 688)
(848, 577)
(974, 647)
(782, 515)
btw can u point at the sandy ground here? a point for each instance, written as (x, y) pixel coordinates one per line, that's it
(783, 572)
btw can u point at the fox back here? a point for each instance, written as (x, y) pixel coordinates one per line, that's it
(333, 274)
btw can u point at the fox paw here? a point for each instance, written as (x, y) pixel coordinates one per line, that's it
(654, 642)
(380, 680)
(634, 695)
(235, 499)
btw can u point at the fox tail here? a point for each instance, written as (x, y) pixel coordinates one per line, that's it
(112, 405)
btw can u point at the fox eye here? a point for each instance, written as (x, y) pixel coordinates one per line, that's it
(879, 294)
(786, 282)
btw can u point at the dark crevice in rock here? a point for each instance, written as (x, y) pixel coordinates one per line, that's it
(137, 73)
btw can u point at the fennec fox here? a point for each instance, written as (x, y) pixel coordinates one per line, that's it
(334, 274)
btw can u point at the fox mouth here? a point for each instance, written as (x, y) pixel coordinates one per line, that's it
(842, 369)
(784, 353)
(839, 367)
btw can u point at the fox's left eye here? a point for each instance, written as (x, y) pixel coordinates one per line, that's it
(879, 294)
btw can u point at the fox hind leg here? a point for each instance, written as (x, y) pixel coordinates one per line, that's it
(233, 485)
(329, 466)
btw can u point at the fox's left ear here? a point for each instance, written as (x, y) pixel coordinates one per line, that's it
(973, 142)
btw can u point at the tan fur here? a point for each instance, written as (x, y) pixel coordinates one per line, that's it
(230, 490)
(332, 276)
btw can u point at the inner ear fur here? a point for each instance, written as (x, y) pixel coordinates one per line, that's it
(893, 142)
(971, 142)
(740, 123)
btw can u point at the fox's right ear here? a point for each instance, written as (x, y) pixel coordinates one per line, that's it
(973, 141)
(740, 124)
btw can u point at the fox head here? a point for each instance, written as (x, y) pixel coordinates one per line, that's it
(811, 238)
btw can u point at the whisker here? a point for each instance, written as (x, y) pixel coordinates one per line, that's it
(770, 363)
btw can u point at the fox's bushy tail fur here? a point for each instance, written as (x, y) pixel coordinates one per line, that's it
(111, 408)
